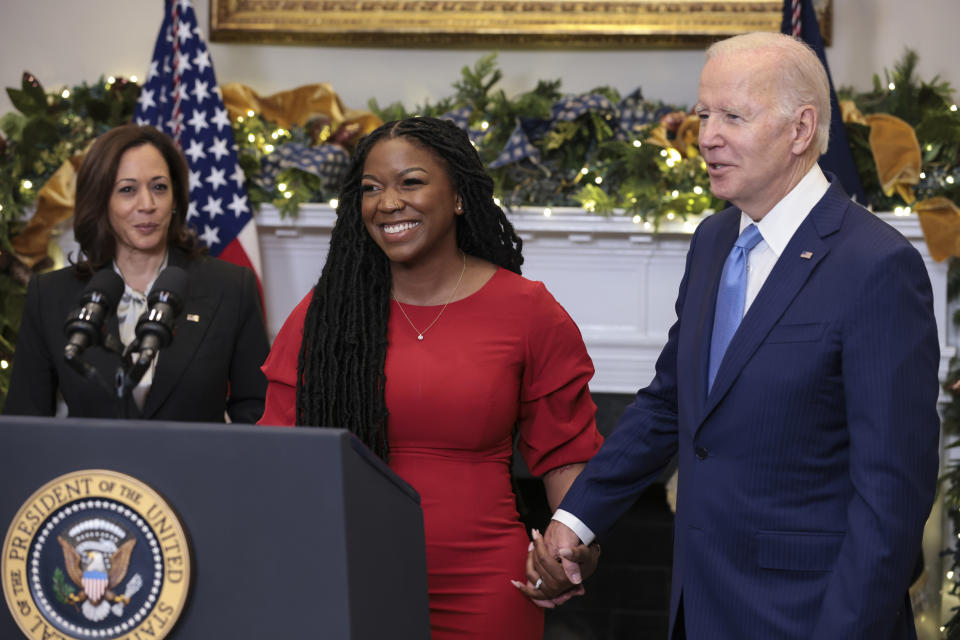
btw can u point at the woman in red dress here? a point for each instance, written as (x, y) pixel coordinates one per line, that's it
(422, 338)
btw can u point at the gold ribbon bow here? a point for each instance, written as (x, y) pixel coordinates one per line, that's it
(298, 106)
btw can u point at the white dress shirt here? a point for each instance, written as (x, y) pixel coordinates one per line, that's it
(776, 227)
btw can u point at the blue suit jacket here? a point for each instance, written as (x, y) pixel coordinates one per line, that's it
(808, 471)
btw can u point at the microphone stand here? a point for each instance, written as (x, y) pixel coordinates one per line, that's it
(76, 362)
(129, 374)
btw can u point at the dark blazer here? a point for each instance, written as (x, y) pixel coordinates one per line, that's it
(808, 471)
(212, 365)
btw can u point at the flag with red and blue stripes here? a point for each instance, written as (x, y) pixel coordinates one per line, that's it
(181, 98)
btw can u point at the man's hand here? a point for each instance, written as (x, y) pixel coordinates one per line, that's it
(557, 565)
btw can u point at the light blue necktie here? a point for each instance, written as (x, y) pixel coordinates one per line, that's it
(730, 298)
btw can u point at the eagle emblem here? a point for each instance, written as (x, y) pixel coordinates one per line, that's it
(95, 567)
(96, 554)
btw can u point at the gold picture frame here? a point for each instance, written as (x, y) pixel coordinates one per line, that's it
(500, 23)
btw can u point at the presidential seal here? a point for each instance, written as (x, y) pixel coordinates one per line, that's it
(95, 554)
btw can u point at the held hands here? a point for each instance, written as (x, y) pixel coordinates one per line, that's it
(557, 564)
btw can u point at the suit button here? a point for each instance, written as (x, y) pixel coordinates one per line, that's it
(701, 453)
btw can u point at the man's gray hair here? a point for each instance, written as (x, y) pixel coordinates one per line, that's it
(802, 78)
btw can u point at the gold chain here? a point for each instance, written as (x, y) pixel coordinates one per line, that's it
(449, 300)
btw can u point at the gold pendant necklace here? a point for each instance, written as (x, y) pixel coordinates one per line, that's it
(452, 293)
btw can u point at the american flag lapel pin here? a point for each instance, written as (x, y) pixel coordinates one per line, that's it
(192, 317)
(806, 255)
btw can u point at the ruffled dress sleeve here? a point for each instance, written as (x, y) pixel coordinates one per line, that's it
(280, 369)
(557, 414)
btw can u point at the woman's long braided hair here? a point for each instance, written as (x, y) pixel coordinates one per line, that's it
(340, 370)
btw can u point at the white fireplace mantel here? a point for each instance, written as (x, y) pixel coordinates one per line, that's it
(617, 279)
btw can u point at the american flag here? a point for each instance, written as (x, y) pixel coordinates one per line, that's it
(182, 99)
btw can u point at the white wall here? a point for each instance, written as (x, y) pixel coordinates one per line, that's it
(64, 42)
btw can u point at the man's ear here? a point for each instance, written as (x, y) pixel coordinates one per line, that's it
(804, 128)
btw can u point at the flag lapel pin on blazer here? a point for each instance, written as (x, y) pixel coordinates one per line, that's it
(806, 255)
(192, 317)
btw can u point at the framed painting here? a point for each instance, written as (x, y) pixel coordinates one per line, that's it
(495, 23)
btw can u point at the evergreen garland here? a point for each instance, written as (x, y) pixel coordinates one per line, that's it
(582, 163)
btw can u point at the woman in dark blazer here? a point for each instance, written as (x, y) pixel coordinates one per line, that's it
(131, 207)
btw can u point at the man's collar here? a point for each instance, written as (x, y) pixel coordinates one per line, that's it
(780, 223)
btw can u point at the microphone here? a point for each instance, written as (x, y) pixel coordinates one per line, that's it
(155, 327)
(85, 327)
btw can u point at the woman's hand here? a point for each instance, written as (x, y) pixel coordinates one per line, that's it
(556, 570)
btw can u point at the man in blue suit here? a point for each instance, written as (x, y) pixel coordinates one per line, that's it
(807, 436)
